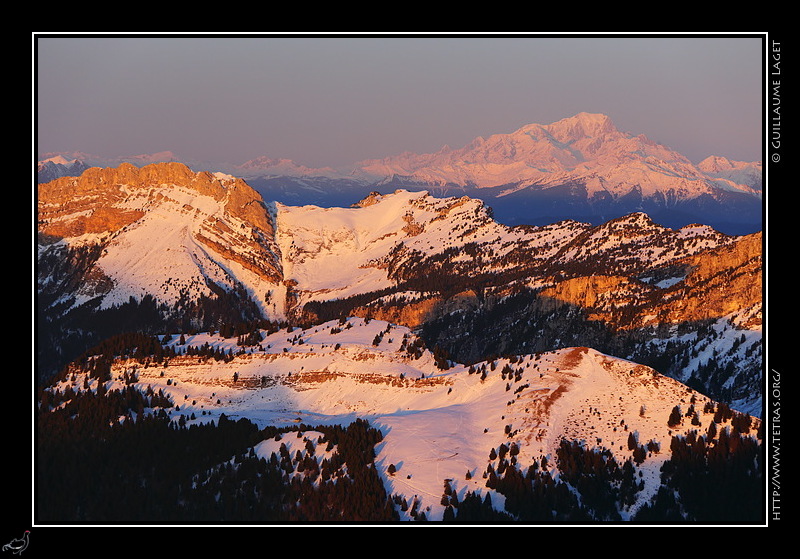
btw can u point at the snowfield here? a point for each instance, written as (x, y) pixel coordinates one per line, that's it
(437, 424)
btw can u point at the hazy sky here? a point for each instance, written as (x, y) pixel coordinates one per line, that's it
(335, 100)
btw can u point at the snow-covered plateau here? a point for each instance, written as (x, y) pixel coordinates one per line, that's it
(439, 423)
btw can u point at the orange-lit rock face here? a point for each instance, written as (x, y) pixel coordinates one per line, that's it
(720, 281)
(227, 216)
(415, 313)
(94, 198)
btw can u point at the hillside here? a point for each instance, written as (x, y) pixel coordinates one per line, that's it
(442, 425)
(161, 248)
(204, 355)
(164, 231)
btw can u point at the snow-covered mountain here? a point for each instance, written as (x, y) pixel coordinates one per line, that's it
(584, 168)
(445, 425)
(581, 167)
(92, 160)
(164, 232)
(58, 166)
(268, 166)
(737, 174)
(203, 249)
(455, 335)
(585, 146)
(164, 228)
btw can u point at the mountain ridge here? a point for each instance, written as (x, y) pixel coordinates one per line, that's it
(183, 242)
(579, 142)
(483, 353)
(472, 423)
(581, 166)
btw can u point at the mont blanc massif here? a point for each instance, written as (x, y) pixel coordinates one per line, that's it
(558, 325)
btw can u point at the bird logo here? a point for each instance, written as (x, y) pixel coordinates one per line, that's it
(18, 545)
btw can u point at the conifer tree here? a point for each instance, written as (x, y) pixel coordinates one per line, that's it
(675, 417)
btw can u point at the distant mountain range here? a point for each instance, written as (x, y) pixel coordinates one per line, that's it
(581, 167)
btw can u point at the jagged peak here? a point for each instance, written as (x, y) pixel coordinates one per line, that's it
(714, 163)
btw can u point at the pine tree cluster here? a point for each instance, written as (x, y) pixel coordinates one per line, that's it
(117, 457)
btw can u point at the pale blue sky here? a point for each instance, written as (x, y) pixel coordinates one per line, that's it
(335, 100)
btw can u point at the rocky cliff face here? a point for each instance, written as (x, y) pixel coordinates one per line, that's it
(720, 282)
(160, 246)
(224, 214)
(207, 247)
(414, 313)
(599, 295)
(709, 285)
(93, 202)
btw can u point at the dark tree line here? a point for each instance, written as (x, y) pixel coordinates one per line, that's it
(324, 311)
(295, 488)
(714, 478)
(92, 467)
(64, 333)
(117, 457)
(711, 479)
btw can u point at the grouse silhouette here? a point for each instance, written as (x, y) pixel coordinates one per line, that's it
(18, 545)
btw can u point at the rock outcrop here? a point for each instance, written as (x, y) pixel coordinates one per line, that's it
(723, 281)
(69, 206)
(717, 282)
(415, 313)
(219, 212)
